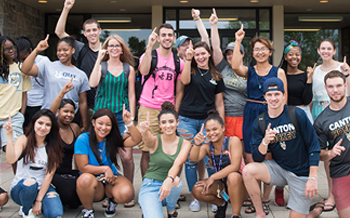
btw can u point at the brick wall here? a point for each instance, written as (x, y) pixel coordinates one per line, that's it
(17, 18)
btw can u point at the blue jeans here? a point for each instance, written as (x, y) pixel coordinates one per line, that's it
(188, 129)
(149, 198)
(25, 196)
(120, 121)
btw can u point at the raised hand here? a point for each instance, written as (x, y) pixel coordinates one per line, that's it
(68, 86)
(269, 135)
(213, 20)
(344, 67)
(68, 4)
(43, 45)
(153, 37)
(310, 72)
(199, 138)
(337, 149)
(144, 126)
(126, 116)
(190, 51)
(8, 127)
(101, 53)
(195, 14)
(240, 34)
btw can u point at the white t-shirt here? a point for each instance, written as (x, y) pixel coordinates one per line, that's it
(55, 75)
(318, 90)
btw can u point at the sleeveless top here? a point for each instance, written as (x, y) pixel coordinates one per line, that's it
(36, 169)
(318, 90)
(68, 149)
(160, 163)
(113, 93)
(255, 83)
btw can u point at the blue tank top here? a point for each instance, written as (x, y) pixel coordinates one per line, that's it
(255, 82)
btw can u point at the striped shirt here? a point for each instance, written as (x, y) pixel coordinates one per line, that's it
(113, 93)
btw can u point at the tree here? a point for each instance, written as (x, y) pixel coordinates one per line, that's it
(136, 46)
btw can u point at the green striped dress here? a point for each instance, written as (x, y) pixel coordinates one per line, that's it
(113, 93)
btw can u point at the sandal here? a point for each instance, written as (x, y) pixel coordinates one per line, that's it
(247, 202)
(250, 209)
(129, 204)
(316, 205)
(182, 197)
(266, 207)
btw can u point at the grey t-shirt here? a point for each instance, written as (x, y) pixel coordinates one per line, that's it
(55, 75)
(235, 95)
(331, 126)
(87, 65)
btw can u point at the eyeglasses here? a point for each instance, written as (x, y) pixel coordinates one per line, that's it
(10, 48)
(261, 50)
(114, 46)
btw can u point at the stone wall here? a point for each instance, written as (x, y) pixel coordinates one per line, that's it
(17, 19)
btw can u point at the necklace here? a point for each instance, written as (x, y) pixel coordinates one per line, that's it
(201, 72)
(261, 77)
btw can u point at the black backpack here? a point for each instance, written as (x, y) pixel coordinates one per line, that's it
(104, 70)
(292, 115)
(82, 53)
(139, 85)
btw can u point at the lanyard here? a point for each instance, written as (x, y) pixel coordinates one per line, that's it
(217, 168)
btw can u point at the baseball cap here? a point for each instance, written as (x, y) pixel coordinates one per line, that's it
(179, 41)
(275, 80)
(231, 45)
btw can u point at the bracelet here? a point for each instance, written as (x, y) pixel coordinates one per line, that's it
(196, 144)
(130, 124)
(188, 59)
(106, 169)
(172, 179)
(313, 178)
(262, 141)
(197, 19)
(347, 75)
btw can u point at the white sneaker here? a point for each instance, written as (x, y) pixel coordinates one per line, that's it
(214, 208)
(195, 206)
(30, 214)
(20, 211)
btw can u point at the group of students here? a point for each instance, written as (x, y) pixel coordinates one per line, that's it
(198, 106)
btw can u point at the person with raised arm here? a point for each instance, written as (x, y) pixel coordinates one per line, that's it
(168, 153)
(96, 157)
(292, 141)
(161, 72)
(226, 154)
(38, 154)
(56, 74)
(85, 53)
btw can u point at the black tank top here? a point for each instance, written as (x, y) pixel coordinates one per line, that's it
(68, 150)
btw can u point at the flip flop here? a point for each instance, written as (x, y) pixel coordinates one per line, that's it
(266, 207)
(247, 202)
(318, 204)
(332, 206)
(250, 209)
(182, 197)
(129, 204)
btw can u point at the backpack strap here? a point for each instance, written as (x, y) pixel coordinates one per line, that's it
(145, 78)
(262, 122)
(292, 115)
(227, 142)
(126, 68)
(104, 70)
(82, 54)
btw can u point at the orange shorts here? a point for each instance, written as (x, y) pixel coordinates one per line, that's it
(234, 127)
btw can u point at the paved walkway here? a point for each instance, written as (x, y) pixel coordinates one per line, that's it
(11, 208)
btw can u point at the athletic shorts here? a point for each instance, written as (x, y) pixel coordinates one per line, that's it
(341, 192)
(281, 177)
(234, 127)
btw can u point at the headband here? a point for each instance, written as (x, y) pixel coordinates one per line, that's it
(292, 44)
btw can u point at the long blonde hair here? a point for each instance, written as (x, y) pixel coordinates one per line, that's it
(126, 56)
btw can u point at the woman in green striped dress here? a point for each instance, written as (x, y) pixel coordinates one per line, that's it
(115, 77)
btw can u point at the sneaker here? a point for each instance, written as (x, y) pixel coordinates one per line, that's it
(20, 211)
(195, 206)
(221, 213)
(110, 210)
(88, 213)
(279, 200)
(30, 214)
(214, 208)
